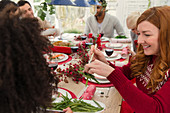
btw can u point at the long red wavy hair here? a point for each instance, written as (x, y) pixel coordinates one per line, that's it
(158, 16)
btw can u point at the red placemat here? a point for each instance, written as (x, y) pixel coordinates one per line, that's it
(69, 58)
(71, 93)
(97, 85)
(61, 49)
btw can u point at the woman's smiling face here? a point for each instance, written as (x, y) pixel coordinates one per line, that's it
(148, 35)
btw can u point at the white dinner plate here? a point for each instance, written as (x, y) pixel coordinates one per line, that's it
(116, 46)
(104, 39)
(61, 58)
(99, 77)
(62, 92)
(87, 101)
(100, 81)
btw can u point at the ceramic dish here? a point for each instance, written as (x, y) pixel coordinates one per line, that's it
(60, 57)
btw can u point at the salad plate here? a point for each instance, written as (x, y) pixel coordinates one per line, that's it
(62, 92)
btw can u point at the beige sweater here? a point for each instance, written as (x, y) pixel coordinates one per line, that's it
(109, 24)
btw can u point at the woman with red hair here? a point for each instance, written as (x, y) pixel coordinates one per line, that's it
(150, 66)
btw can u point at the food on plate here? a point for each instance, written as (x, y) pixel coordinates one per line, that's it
(54, 56)
(120, 37)
(76, 105)
(61, 43)
(51, 58)
(87, 76)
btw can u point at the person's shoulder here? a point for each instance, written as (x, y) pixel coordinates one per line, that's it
(111, 16)
(90, 17)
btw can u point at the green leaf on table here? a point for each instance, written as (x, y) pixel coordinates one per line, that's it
(88, 76)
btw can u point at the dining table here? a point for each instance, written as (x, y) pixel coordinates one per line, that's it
(107, 94)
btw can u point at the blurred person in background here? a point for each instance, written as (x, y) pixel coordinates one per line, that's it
(27, 12)
(131, 24)
(103, 22)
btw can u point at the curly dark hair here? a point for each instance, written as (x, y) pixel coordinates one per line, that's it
(3, 4)
(26, 81)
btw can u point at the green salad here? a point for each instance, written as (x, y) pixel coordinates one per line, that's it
(120, 37)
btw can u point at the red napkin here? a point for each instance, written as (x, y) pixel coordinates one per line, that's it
(89, 93)
(87, 96)
(91, 89)
(61, 49)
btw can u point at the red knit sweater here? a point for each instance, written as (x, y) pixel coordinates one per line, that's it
(138, 97)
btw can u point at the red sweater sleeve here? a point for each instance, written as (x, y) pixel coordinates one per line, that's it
(125, 69)
(138, 100)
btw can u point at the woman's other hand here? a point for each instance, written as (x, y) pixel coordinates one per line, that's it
(97, 54)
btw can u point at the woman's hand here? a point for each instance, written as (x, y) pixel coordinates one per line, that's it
(68, 110)
(99, 68)
(97, 54)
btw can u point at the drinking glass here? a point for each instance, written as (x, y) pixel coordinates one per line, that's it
(109, 52)
(74, 51)
(88, 45)
(53, 63)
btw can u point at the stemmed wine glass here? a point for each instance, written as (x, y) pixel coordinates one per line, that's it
(74, 51)
(88, 45)
(53, 65)
(52, 62)
(109, 52)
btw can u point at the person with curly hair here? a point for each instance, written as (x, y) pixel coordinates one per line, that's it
(150, 66)
(26, 81)
(3, 4)
(103, 23)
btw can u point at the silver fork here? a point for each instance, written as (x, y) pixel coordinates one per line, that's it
(107, 95)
